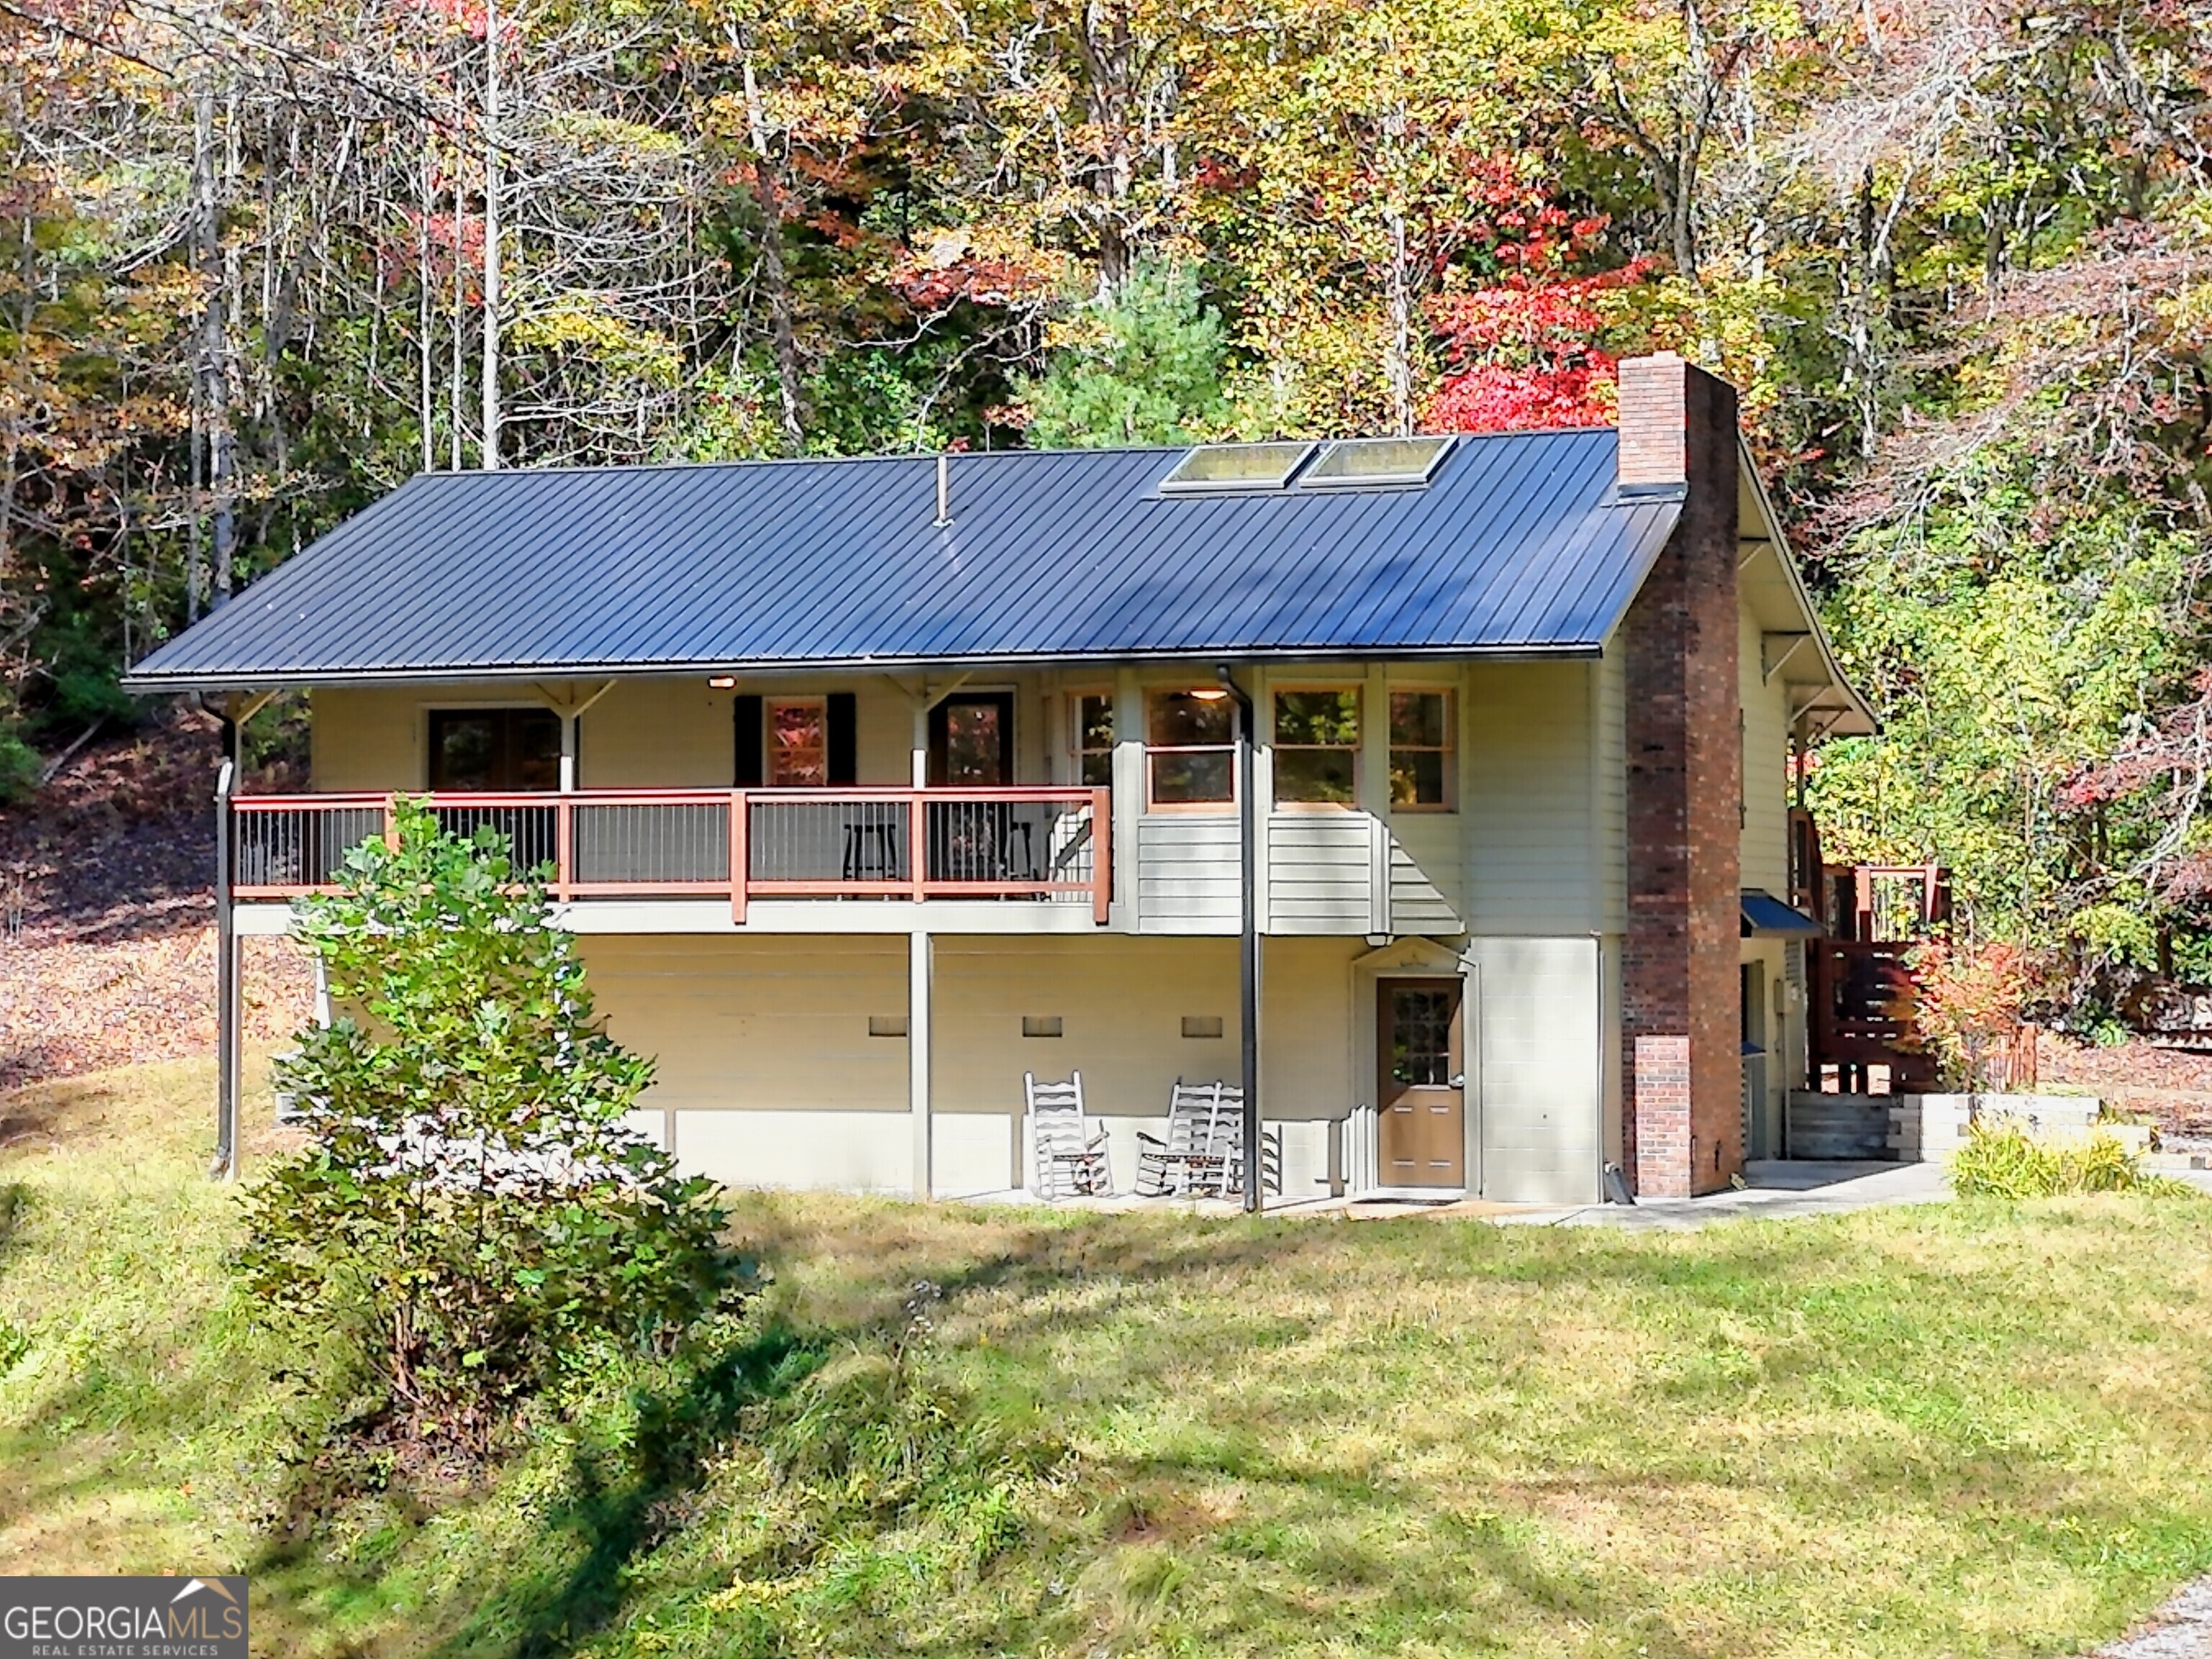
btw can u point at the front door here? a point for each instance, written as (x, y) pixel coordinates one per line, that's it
(1421, 1050)
(971, 740)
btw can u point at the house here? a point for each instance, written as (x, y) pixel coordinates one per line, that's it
(871, 785)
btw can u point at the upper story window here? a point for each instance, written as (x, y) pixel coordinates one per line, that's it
(1191, 748)
(797, 743)
(493, 751)
(1091, 724)
(1317, 749)
(1421, 770)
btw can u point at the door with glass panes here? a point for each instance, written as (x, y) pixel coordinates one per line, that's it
(1421, 1052)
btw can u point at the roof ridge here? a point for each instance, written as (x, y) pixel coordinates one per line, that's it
(886, 457)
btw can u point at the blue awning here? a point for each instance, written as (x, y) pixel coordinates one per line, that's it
(1765, 916)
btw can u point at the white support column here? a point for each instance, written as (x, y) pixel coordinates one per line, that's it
(1263, 790)
(1374, 791)
(918, 975)
(1128, 796)
(921, 707)
(567, 750)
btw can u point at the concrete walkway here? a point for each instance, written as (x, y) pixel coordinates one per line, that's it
(1770, 1190)
(1774, 1191)
(2182, 1629)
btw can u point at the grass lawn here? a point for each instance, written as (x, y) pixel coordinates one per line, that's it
(1945, 1429)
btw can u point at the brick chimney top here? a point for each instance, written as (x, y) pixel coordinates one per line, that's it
(1654, 422)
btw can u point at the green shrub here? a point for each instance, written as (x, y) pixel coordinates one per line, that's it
(2000, 1160)
(20, 767)
(470, 1207)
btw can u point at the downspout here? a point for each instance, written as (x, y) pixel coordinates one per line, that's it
(224, 1166)
(1248, 953)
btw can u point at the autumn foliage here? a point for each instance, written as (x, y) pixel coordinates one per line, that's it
(1526, 350)
(1969, 1000)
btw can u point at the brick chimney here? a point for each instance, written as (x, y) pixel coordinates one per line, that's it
(1654, 423)
(1680, 983)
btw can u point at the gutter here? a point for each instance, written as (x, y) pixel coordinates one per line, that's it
(144, 685)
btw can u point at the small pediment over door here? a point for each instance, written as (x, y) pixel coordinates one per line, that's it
(1409, 955)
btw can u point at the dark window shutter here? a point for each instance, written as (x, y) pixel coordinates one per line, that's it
(746, 711)
(844, 740)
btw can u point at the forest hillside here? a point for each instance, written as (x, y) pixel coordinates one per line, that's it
(265, 260)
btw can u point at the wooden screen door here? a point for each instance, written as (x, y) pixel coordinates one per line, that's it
(1421, 1049)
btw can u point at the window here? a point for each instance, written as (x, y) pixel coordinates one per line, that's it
(1192, 740)
(1372, 462)
(1201, 1025)
(1236, 466)
(797, 743)
(1042, 1025)
(1421, 751)
(1316, 747)
(481, 750)
(1090, 719)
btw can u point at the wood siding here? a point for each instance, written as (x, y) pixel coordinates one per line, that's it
(1426, 877)
(1766, 768)
(1534, 845)
(1320, 872)
(1187, 873)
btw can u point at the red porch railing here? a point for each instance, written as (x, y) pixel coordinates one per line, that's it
(1045, 845)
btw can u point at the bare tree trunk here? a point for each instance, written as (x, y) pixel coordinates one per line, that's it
(453, 382)
(427, 402)
(767, 171)
(489, 453)
(1398, 359)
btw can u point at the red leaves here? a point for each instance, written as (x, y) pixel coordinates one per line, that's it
(1495, 399)
(1528, 350)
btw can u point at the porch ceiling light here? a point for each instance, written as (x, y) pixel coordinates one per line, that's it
(1209, 694)
(723, 682)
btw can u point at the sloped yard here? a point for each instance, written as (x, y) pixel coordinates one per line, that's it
(1945, 1429)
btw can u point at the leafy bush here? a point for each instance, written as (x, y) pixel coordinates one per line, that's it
(20, 766)
(1967, 1006)
(2000, 1160)
(470, 1206)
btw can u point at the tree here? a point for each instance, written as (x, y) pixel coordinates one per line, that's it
(470, 1207)
(1142, 367)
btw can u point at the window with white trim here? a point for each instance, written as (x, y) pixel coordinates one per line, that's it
(1316, 747)
(1190, 739)
(1090, 730)
(1422, 774)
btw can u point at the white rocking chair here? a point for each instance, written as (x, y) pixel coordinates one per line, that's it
(1068, 1153)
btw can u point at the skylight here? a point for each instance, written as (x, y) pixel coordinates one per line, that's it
(1236, 466)
(1363, 463)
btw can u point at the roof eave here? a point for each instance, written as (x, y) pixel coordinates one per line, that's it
(288, 680)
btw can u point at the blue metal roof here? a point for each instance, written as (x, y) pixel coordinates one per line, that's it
(1519, 544)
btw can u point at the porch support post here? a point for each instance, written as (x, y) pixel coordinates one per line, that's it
(223, 1166)
(918, 972)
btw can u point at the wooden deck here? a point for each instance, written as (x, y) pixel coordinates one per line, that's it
(1048, 846)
